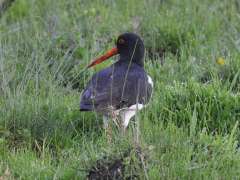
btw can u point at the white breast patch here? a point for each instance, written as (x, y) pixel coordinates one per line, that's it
(150, 81)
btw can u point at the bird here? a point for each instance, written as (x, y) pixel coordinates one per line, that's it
(120, 90)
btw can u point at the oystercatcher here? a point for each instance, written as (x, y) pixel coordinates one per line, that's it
(119, 91)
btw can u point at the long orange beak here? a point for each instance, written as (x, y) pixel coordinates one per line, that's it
(107, 55)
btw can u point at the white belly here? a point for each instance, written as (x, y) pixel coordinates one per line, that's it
(128, 113)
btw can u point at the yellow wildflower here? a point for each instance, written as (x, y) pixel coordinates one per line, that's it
(220, 61)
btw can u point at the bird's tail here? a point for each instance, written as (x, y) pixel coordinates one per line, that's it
(86, 107)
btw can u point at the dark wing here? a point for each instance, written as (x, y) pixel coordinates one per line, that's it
(96, 91)
(116, 87)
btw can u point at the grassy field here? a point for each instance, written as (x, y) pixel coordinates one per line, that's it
(190, 130)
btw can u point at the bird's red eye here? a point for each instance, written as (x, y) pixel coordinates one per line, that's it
(121, 41)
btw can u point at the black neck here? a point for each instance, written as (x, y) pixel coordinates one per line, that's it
(134, 57)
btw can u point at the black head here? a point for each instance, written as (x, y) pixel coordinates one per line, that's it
(131, 48)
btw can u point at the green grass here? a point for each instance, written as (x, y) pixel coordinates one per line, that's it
(191, 126)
